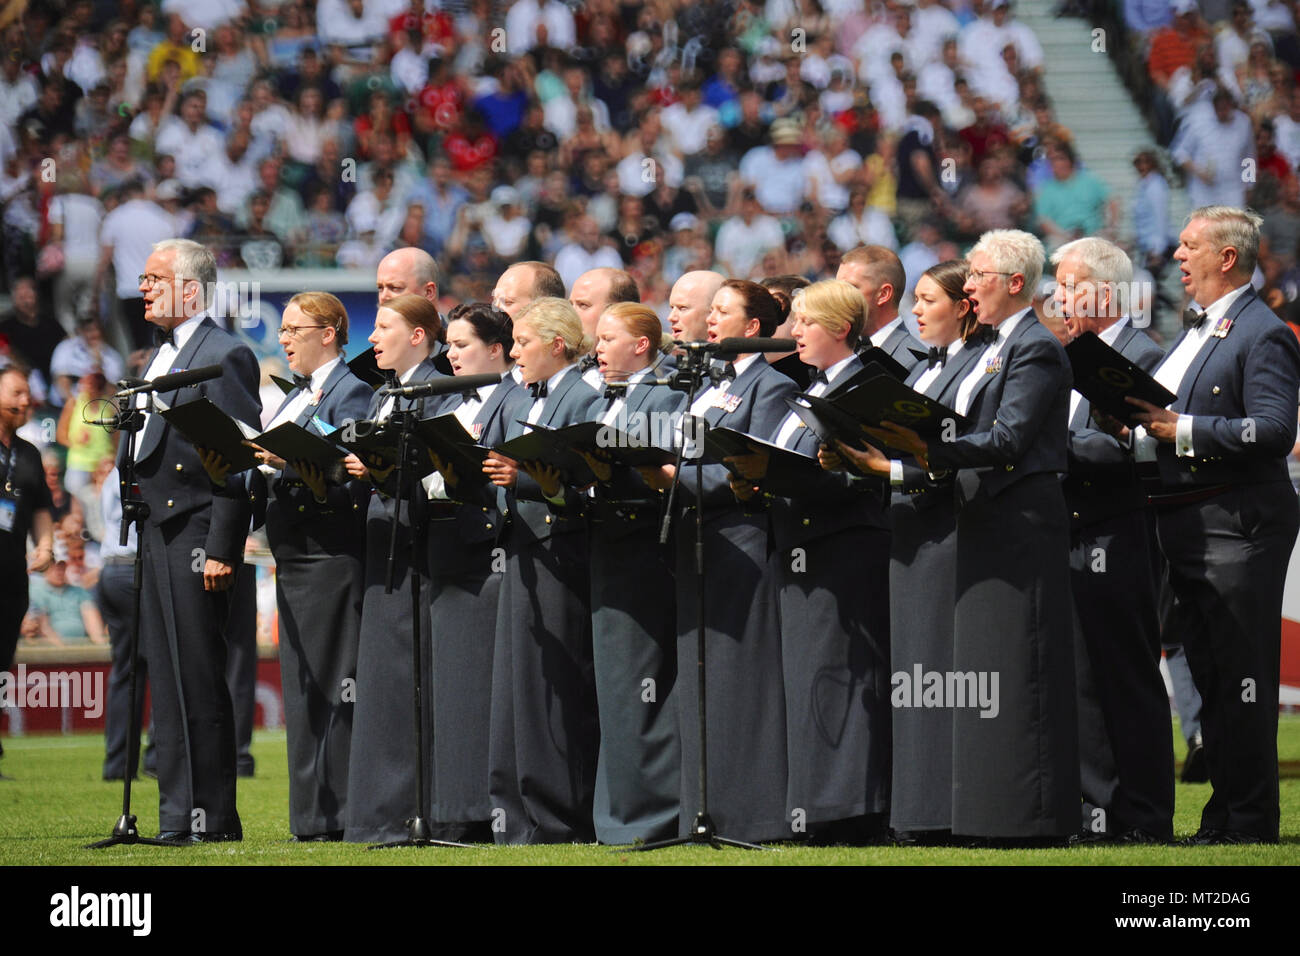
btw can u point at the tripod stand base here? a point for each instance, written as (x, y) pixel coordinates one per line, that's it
(703, 833)
(418, 834)
(126, 834)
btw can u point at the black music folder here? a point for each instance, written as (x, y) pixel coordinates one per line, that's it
(1105, 378)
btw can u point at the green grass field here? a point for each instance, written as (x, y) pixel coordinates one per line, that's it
(56, 802)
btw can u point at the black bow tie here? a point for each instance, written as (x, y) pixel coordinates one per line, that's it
(163, 336)
(301, 381)
(937, 356)
(1193, 319)
(587, 364)
(983, 335)
(615, 392)
(538, 389)
(818, 376)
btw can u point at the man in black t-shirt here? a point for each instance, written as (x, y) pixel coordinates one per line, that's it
(24, 509)
(33, 335)
(919, 191)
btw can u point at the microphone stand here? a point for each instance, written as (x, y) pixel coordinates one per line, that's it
(134, 511)
(689, 378)
(418, 832)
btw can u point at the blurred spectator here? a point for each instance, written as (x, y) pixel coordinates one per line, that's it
(1280, 234)
(64, 613)
(776, 173)
(918, 167)
(31, 329)
(689, 120)
(1073, 203)
(833, 169)
(538, 23)
(1218, 148)
(993, 201)
(861, 225)
(126, 238)
(744, 238)
(118, 166)
(1152, 235)
(74, 219)
(506, 229)
(176, 48)
(190, 139)
(83, 354)
(87, 442)
(584, 253)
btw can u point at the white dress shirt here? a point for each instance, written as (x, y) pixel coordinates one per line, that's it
(787, 434)
(162, 365)
(708, 398)
(386, 409)
(291, 411)
(1174, 368)
(991, 352)
(435, 485)
(923, 383)
(539, 404)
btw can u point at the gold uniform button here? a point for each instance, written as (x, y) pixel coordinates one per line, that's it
(807, 522)
(179, 466)
(548, 519)
(1011, 467)
(302, 507)
(489, 527)
(1216, 390)
(171, 503)
(1075, 514)
(1193, 467)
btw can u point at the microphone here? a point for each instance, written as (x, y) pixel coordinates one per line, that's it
(441, 386)
(743, 346)
(168, 383)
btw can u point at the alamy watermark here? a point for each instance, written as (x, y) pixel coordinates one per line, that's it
(74, 690)
(947, 689)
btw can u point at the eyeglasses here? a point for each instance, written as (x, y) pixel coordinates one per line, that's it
(979, 275)
(150, 279)
(295, 331)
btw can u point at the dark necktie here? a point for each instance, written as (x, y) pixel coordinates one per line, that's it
(163, 336)
(818, 376)
(538, 389)
(1193, 320)
(938, 356)
(301, 381)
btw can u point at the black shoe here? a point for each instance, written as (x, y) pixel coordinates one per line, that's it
(922, 837)
(329, 836)
(1091, 838)
(178, 837)
(230, 836)
(1195, 768)
(1213, 837)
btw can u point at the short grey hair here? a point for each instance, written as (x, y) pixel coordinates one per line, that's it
(1106, 262)
(1231, 226)
(193, 261)
(1014, 251)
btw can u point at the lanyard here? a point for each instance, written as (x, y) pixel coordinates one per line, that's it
(9, 454)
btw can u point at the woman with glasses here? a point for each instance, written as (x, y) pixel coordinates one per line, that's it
(1015, 746)
(316, 530)
(465, 523)
(382, 781)
(922, 565)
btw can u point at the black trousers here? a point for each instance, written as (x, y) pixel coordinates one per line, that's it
(1126, 755)
(183, 628)
(115, 595)
(1227, 560)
